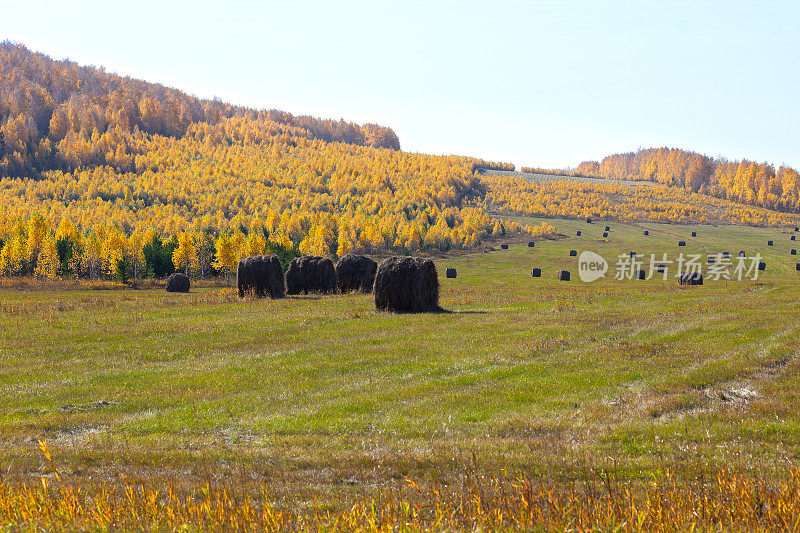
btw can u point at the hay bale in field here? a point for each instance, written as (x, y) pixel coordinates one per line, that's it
(726, 255)
(407, 285)
(310, 274)
(531, 244)
(573, 253)
(608, 228)
(797, 266)
(793, 251)
(355, 273)
(690, 278)
(562, 275)
(711, 259)
(646, 232)
(504, 246)
(694, 234)
(792, 238)
(605, 235)
(588, 220)
(796, 228)
(742, 253)
(178, 282)
(260, 276)
(632, 254)
(681, 243)
(769, 243)
(450, 273)
(762, 265)
(641, 274)
(536, 272)
(578, 233)
(661, 268)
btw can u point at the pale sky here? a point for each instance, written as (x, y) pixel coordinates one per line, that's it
(549, 83)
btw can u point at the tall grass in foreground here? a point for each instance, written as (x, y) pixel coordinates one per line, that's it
(727, 501)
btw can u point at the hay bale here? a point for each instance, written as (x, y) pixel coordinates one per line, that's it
(504, 246)
(690, 278)
(310, 274)
(796, 228)
(531, 244)
(793, 251)
(711, 259)
(450, 273)
(608, 228)
(260, 276)
(694, 234)
(793, 238)
(632, 254)
(681, 243)
(762, 265)
(605, 235)
(646, 232)
(536, 272)
(588, 220)
(573, 253)
(742, 253)
(355, 273)
(726, 255)
(562, 275)
(178, 282)
(661, 268)
(797, 266)
(578, 233)
(641, 274)
(407, 285)
(769, 243)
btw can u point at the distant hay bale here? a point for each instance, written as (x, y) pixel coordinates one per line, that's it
(536, 272)
(641, 274)
(796, 228)
(578, 233)
(690, 278)
(605, 235)
(573, 253)
(562, 275)
(310, 274)
(793, 238)
(797, 266)
(726, 255)
(742, 253)
(608, 228)
(661, 268)
(646, 232)
(260, 276)
(793, 251)
(762, 265)
(769, 243)
(178, 282)
(355, 273)
(632, 254)
(531, 244)
(504, 246)
(694, 234)
(681, 243)
(588, 220)
(450, 273)
(407, 285)
(711, 259)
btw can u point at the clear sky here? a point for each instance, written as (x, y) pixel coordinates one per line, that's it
(548, 83)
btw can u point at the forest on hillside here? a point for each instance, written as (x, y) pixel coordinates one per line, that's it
(743, 181)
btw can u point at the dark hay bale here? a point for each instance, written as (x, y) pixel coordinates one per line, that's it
(793, 251)
(726, 255)
(531, 244)
(605, 235)
(504, 246)
(355, 273)
(742, 253)
(178, 282)
(646, 232)
(536, 272)
(762, 265)
(310, 274)
(797, 266)
(797, 229)
(562, 275)
(260, 276)
(588, 220)
(769, 243)
(608, 228)
(681, 243)
(632, 254)
(793, 238)
(450, 273)
(578, 233)
(407, 285)
(641, 274)
(711, 259)
(690, 278)
(661, 268)
(694, 234)
(573, 253)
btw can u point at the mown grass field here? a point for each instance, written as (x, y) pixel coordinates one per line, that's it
(327, 401)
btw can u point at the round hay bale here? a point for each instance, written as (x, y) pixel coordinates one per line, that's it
(726, 255)
(762, 265)
(641, 274)
(742, 253)
(681, 243)
(260, 276)
(769, 243)
(578, 233)
(711, 259)
(355, 273)
(694, 234)
(661, 268)
(793, 251)
(796, 228)
(310, 274)
(608, 228)
(573, 253)
(588, 220)
(605, 235)
(563, 275)
(690, 278)
(178, 282)
(536, 272)
(797, 266)
(793, 238)
(504, 246)
(407, 285)
(646, 232)
(531, 244)
(632, 254)
(450, 273)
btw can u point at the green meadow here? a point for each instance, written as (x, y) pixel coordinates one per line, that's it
(324, 397)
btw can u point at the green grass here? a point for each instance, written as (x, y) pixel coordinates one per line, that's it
(524, 373)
